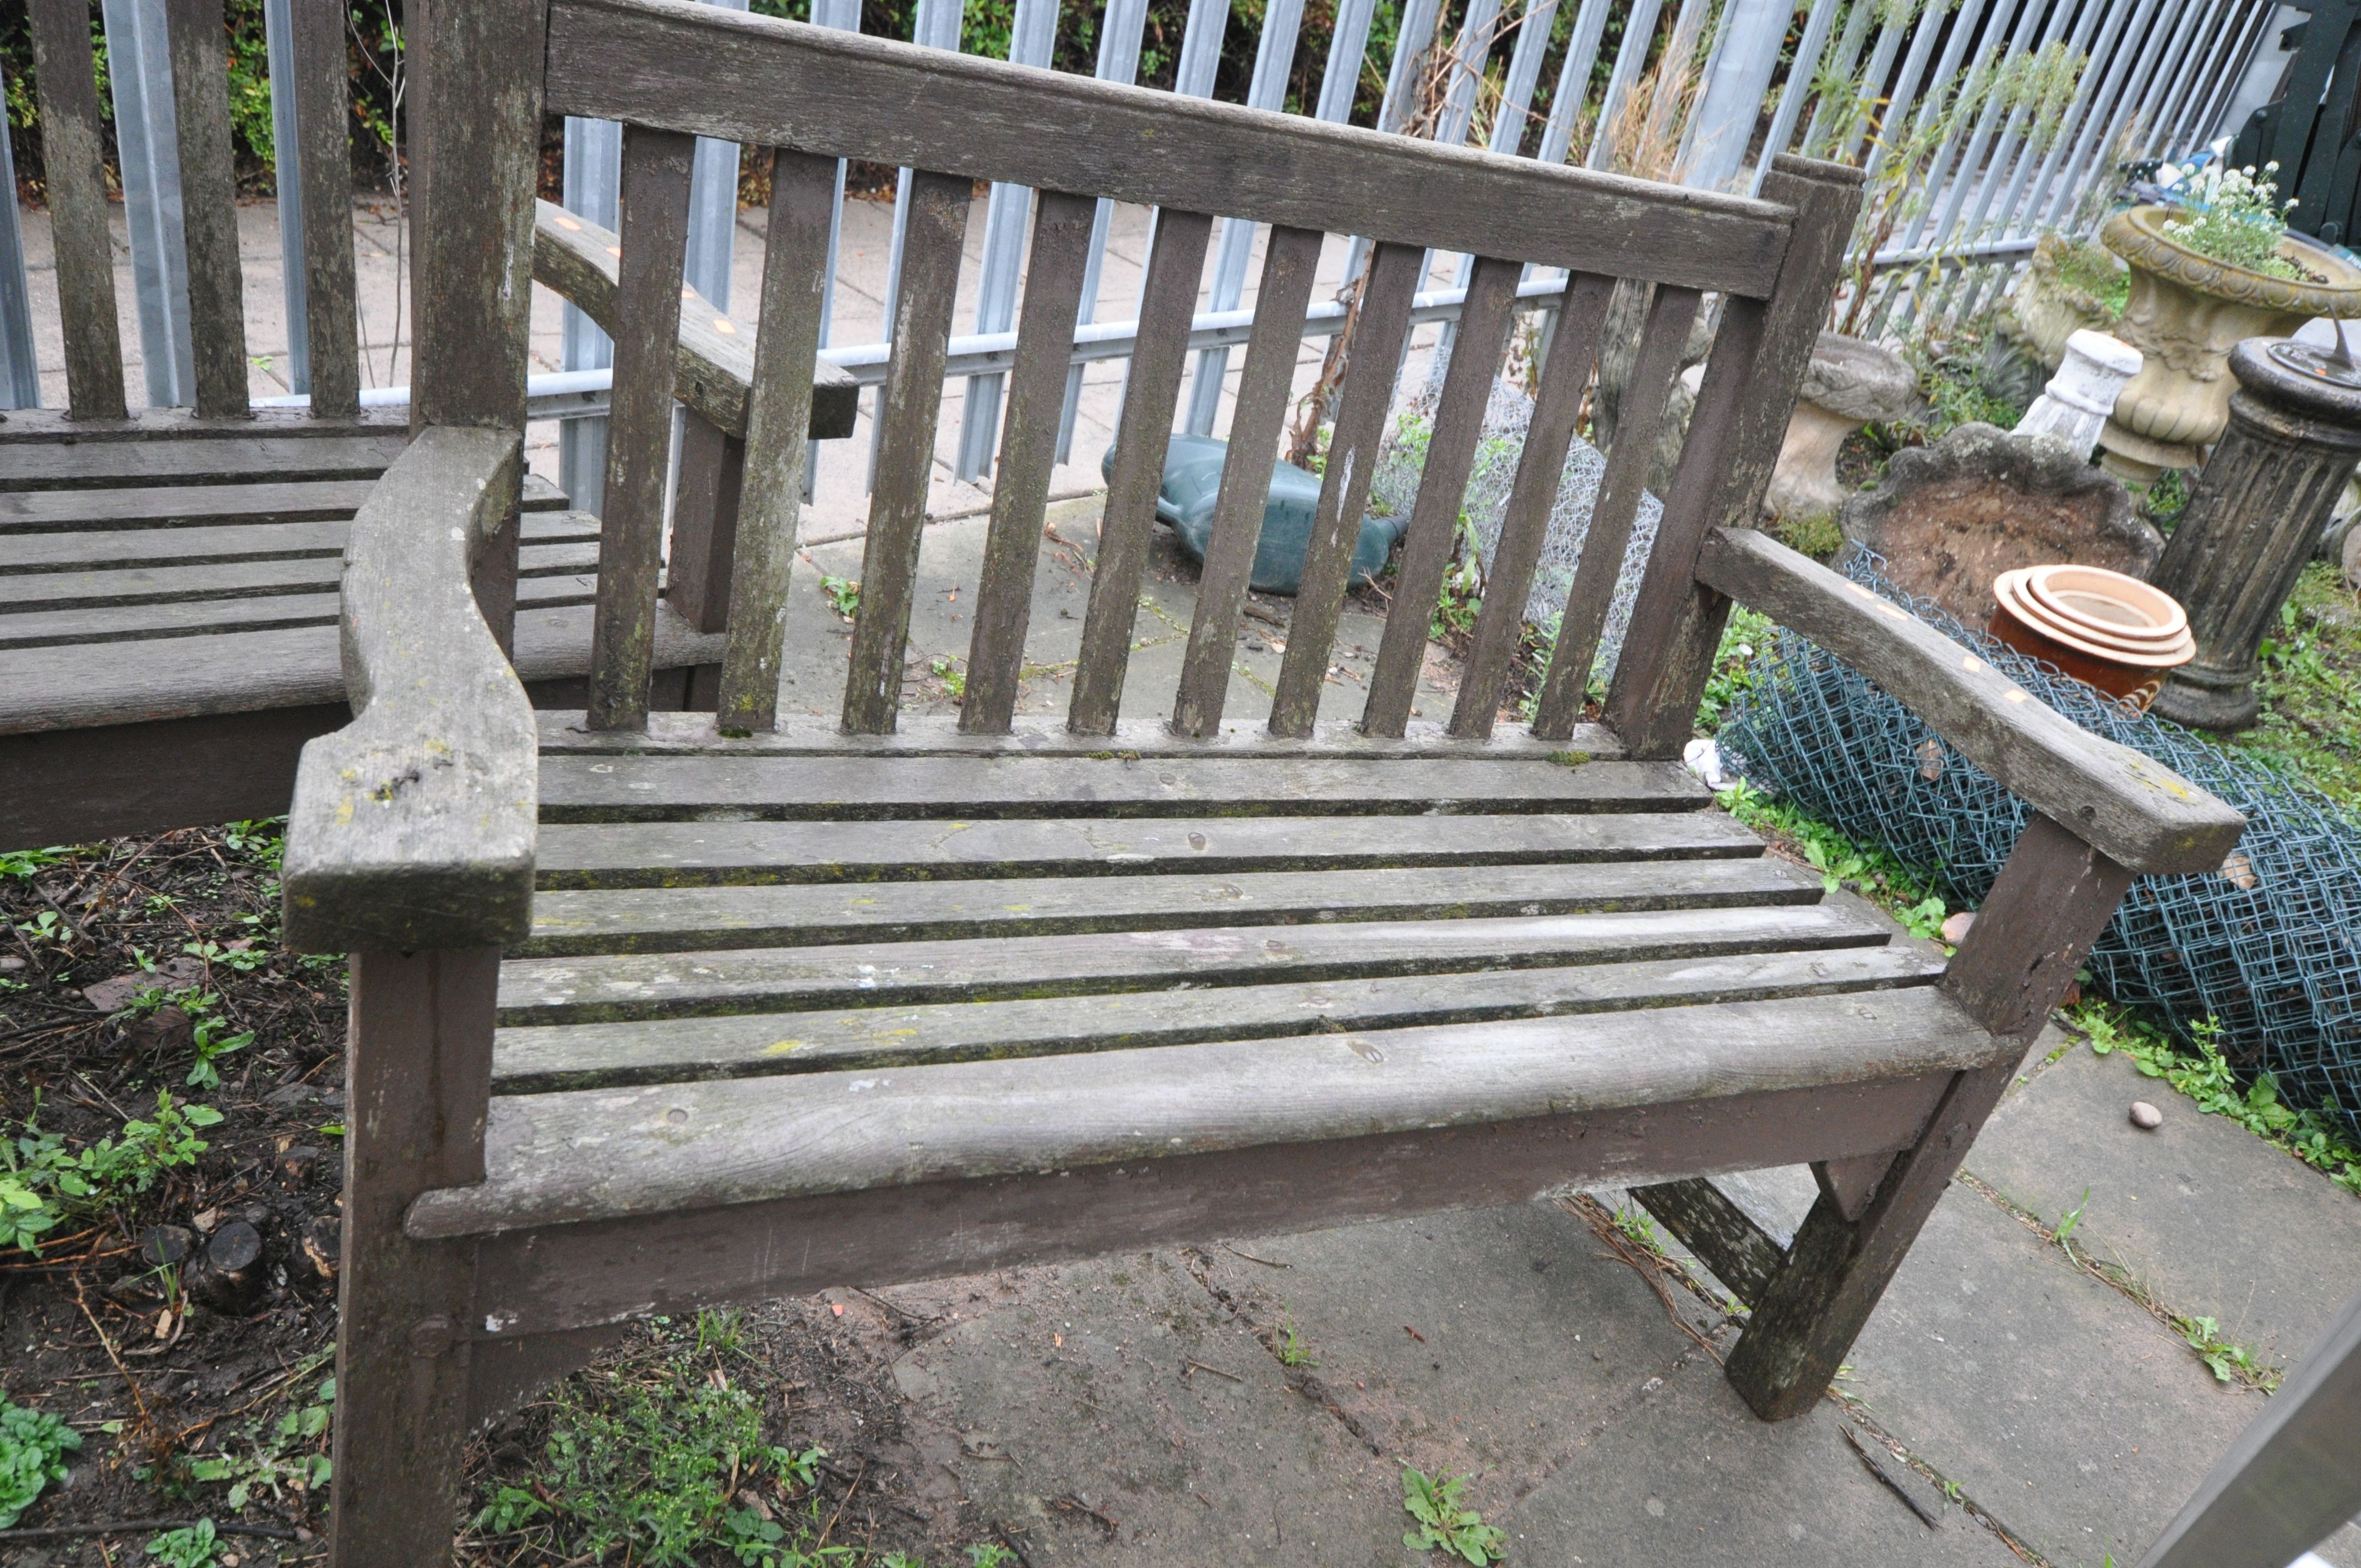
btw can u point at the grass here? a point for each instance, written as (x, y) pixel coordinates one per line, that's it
(1289, 1346)
(2310, 688)
(1872, 872)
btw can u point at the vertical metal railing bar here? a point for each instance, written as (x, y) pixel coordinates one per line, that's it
(1725, 23)
(1697, 16)
(1470, 53)
(2151, 56)
(1910, 88)
(2204, 56)
(1631, 56)
(20, 370)
(2098, 129)
(2080, 115)
(2206, 106)
(1838, 68)
(1201, 58)
(1274, 54)
(1861, 110)
(1509, 125)
(1809, 48)
(2216, 100)
(845, 17)
(937, 26)
(1119, 37)
(1032, 35)
(1411, 45)
(1572, 81)
(1972, 176)
(593, 180)
(139, 71)
(278, 43)
(2016, 153)
(2168, 58)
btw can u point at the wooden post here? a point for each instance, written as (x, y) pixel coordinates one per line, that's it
(2054, 896)
(709, 476)
(476, 161)
(417, 1084)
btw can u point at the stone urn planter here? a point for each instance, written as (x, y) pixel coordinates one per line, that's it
(2048, 307)
(2185, 316)
(1847, 384)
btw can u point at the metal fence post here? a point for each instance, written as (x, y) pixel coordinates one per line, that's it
(594, 170)
(139, 71)
(21, 373)
(1118, 62)
(845, 17)
(287, 173)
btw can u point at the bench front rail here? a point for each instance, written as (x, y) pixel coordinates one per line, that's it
(653, 1011)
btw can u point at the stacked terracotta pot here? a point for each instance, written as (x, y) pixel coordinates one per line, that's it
(2111, 630)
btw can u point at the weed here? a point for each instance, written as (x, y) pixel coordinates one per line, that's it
(22, 863)
(1733, 668)
(2205, 1075)
(2311, 688)
(1289, 1348)
(243, 957)
(983, 1554)
(2166, 499)
(1817, 535)
(43, 1184)
(954, 679)
(2067, 1222)
(1463, 588)
(290, 1454)
(2229, 1362)
(1443, 1524)
(1638, 1229)
(46, 928)
(32, 1446)
(843, 595)
(194, 1546)
(211, 1044)
(1873, 874)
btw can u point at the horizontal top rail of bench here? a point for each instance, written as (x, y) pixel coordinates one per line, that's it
(683, 67)
(2129, 808)
(577, 259)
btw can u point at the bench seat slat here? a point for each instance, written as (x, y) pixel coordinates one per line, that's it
(680, 854)
(168, 506)
(297, 607)
(587, 1055)
(176, 581)
(567, 1157)
(31, 554)
(755, 788)
(682, 919)
(234, 460)
(628, 986)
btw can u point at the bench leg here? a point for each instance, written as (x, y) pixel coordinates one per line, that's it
(2051, 901)
(417, 1081)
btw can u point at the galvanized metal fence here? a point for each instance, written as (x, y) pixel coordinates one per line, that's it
(1705, 95)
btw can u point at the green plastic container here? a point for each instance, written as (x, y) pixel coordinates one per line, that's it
(1192, 479)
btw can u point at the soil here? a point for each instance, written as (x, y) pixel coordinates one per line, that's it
(157, 1384)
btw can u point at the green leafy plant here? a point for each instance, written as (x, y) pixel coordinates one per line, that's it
(1444, 1524)
(1733, 665)
(1289, 1346)
(843, 595)
(20, 864)
(211, 1045)
(954, 679)
(196, 1546)
(43, 1183)
(1872, 872)
(287, 1455)
(33, 1445)
(1462, 599)
(2064, 1233)
(2228, 1362)
(2236, 218)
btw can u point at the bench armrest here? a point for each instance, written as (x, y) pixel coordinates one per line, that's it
(414, 826)
(574, 257)
(2131, 809)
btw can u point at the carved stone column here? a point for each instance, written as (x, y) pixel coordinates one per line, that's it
(2293, 439)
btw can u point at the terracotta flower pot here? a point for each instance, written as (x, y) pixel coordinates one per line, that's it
(2185, 314)
(2111, 632)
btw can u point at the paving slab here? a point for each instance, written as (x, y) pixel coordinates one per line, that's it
(2211, 1219)
(2057, 1403)
(1690, 1476)
(1113, 1412)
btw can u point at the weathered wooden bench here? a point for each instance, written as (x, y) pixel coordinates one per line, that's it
(167, 576)
(650, 1011)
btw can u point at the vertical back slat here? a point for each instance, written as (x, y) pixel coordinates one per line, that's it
(1372, 362)
(324, 133)
(1751, 380)
(778, 423)
(656, 170)
(1609, 534)
(1168, 308)
(66, 82)
(1524, 523)
(924, 291)
(708, 476)
(200, 50)
(1281, 298)
(1442, 487)
(1028, 450)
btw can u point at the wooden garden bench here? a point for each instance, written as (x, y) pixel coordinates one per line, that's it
(651, 1011)
(167, 576)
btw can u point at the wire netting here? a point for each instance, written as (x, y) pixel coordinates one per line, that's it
(2269, 945)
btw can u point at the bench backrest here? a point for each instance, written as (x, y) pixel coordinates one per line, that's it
(64, 78)
(672, 71)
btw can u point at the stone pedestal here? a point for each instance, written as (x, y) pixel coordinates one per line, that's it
(2075, 405)
(1847, 384)
(2292, 440)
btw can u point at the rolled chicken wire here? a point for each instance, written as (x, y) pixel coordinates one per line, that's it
(2269, 945)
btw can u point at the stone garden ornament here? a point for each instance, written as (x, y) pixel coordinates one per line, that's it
(2074, 406)
(1849, 384)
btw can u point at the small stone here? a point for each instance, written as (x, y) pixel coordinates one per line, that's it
(10, 963)
(1955, 930)
(297, 1163)
(2146, 1117)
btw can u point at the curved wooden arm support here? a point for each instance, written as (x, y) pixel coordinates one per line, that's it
(414, 826)
(574, 257)
(2134, 810)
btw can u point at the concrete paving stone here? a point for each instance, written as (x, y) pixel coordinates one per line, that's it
(1689, 1476)
(2211, 1219)
(1077, 1394)
(2059, 1405)
(1486, 1340)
